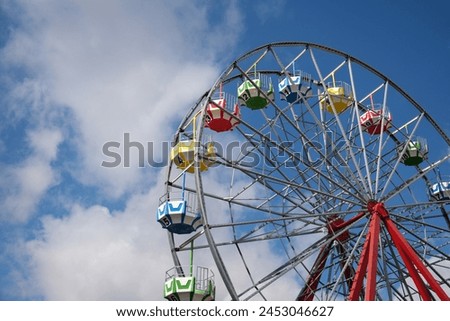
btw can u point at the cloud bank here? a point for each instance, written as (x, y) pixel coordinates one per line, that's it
(80, 74)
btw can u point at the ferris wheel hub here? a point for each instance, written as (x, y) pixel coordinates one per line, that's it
(377, 208)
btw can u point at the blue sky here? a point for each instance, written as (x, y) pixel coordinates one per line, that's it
(77, 74)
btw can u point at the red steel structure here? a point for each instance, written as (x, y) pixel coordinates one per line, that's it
(325, 181)
(425, 282)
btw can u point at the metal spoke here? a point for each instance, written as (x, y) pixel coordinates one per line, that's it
(292, 199)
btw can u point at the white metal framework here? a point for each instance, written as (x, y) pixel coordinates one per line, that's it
(300, 200)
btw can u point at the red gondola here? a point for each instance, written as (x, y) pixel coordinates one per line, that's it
(219, 118)
(374, 121)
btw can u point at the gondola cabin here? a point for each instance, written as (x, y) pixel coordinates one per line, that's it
(256, 93)
(177, 216)
(293, 88)
(180, 286)
(416, 152)
(218, 118)
(440, 190)
(374, 121)
(338, 96)
(182, 154)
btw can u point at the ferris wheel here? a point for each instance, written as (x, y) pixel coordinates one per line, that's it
(304, 173)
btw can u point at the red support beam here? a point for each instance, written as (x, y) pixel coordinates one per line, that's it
(307, 293)
(335, 225)
(421, 286)
(372, 259)
(367, 264)
(338, 224)
(402, 244)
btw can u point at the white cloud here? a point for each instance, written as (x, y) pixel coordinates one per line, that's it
(45, 143)
(24, 184)
(120, 67)
(96, 254)
(96, 70)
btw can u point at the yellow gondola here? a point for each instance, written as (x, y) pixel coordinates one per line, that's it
(338, 96)
(183, 153)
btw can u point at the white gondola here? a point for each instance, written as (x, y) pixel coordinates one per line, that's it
(293, 88)
(176, 217)
(440, 190)
(178, 212)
